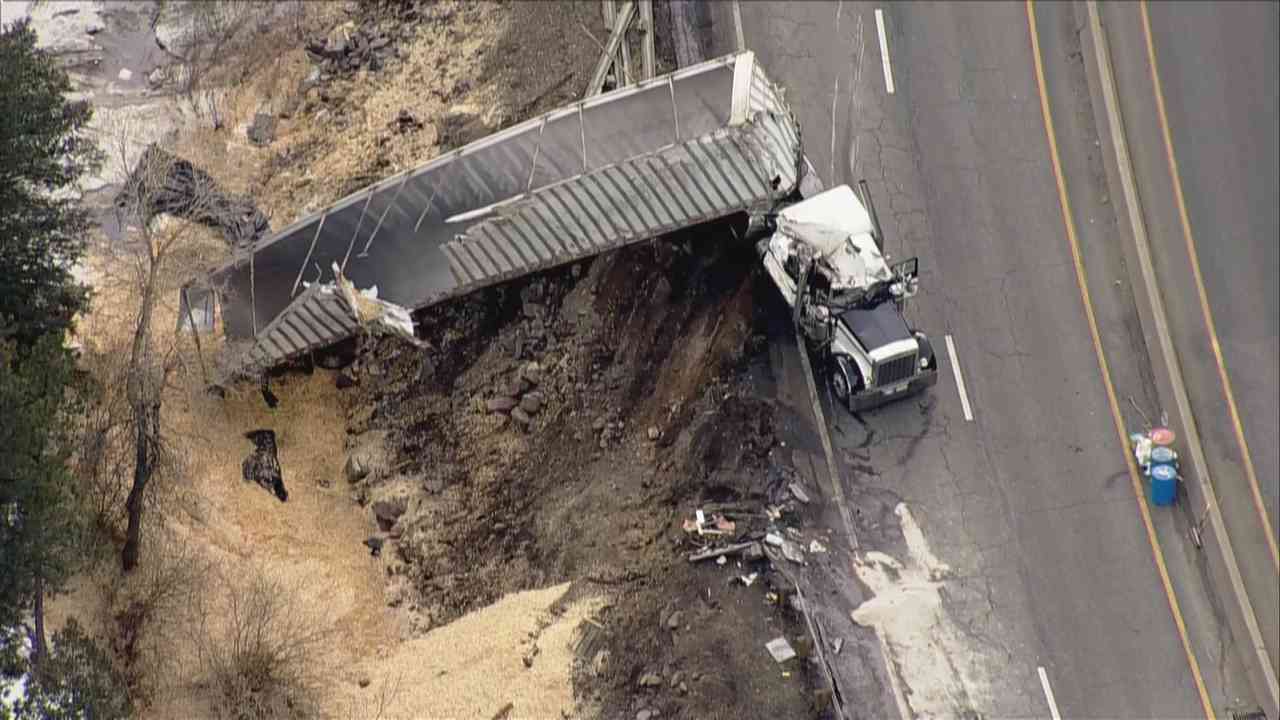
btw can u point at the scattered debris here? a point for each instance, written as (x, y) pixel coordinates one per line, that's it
(792, 552)
(718, 552)
(405, 122)
(269, 397)
(262, 465)
(375, 543)
(798, 492)
(373, 313)
(780, 649)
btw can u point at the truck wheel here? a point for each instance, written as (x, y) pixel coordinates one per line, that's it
(845, 380)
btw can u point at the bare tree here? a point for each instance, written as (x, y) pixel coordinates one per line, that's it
(146, 255)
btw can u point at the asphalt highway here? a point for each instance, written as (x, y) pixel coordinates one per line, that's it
(1218, 215)
(1065, 599)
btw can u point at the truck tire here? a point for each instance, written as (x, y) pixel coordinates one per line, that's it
(846, 381)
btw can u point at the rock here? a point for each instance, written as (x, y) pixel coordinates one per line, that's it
(677, 678)
(644, 715)
(364, 681)
(650, 680)
(600, 662)
(368, 459)
(355, 469)
(654, 434)
(528, 657)
(517, 387)
(125, 75)
(500, 404)
(533, 310)
(521, 417)
(599, 424)
(532, 372)
(673, 621)
(344, 380)
(156, 78)
(263, 130)
(379, 42)
(531, 403)
(388, 511)
(405, 122)
(684, 689)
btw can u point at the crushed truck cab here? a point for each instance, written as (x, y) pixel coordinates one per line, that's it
(823, 253)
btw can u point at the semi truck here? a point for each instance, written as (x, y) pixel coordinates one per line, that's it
(825, 256)
(704, 143)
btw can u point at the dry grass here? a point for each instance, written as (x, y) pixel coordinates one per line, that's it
(311, 545)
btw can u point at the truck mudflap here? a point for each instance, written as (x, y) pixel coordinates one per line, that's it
(875, 397)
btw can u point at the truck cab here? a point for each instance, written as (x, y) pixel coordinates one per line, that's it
(823, 252)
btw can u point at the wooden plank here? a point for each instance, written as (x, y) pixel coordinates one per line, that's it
(611, 14)
(611, 48)
(646, 44)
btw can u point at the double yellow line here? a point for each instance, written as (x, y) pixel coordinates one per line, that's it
(1082, 281)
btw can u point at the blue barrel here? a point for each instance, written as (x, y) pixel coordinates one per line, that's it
(1164, 484)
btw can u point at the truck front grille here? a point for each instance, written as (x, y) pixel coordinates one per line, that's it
(895, 370)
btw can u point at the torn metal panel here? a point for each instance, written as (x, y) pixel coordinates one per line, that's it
(615, 169)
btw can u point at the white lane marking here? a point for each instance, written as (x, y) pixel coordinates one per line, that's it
(884, 51)
(737, 25)
(1048, 694)
(955, 368)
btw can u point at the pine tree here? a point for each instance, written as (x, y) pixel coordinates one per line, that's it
(44, 151)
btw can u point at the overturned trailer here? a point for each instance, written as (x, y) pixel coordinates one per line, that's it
(699, 144)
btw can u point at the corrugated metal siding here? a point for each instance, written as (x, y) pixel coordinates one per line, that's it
(673, 159)
(682, 185)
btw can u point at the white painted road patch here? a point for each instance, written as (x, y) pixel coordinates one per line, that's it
(884, 51)
(955, 368)
(929, 657)
(1048, 694)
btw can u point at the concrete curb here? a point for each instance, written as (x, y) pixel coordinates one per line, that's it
(1223, 565)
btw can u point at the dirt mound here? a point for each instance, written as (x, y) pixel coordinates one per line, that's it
(638, 420)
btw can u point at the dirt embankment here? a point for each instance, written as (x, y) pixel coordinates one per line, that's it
(559, 544)
(627, 415)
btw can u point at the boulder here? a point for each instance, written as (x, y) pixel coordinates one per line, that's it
(368, 458)
(521, 417)
(263, 130)
(531, 403)
(387, 511)
(532, 373)
(500, 404)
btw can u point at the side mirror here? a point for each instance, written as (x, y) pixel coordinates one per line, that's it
(907, 270)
